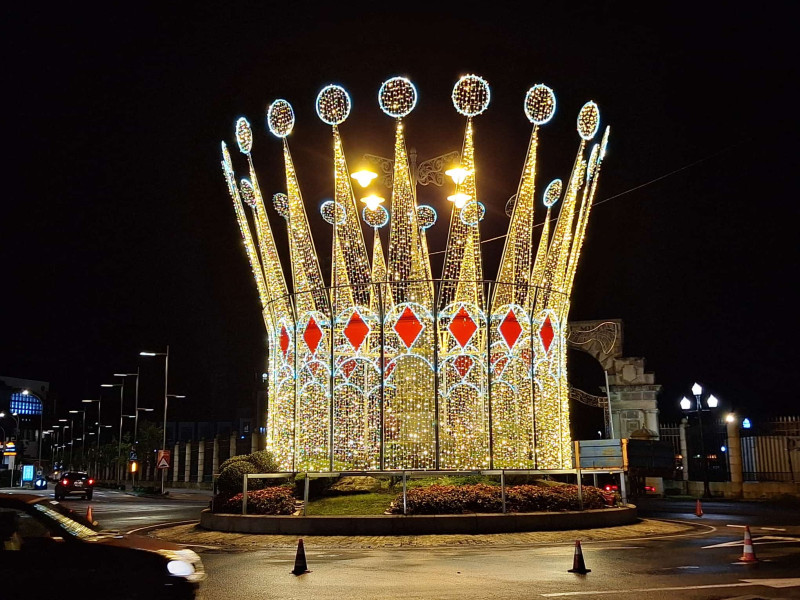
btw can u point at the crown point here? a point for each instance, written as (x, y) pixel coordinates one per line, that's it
(540, 104)
(471, 95)
(552, 192)
(397, 97)
(588, 120)
(244, 135)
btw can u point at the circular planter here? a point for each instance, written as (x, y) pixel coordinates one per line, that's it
(418, 524)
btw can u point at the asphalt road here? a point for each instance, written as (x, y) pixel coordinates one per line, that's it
(700, 565)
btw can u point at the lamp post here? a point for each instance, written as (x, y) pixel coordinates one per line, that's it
(71, 437)
(686, 405)
(97, 457)
(121, 387)
(166, 379)
(83, 434)
(167, 396)
(136, 433)
(119, 442)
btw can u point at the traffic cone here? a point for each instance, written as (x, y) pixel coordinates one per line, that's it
(749, 555)
(300, 565)
(89, 516)
(578, 565)
(698, 510)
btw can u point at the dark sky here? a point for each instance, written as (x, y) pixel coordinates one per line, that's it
(117, 233)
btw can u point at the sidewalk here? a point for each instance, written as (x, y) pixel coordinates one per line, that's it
(646, 528)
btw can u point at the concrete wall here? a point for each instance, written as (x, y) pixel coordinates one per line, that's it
(750, 490)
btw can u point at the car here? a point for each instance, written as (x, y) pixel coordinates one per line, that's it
(53, 552)
(74, 482)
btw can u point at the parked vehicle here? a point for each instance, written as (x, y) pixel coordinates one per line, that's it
(44, 544)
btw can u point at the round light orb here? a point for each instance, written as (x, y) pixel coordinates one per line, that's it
(332, 212)
(588, 120)
(280, 118)
(376, 218)
(426, 216)
(248, 192)
(281, 204)
(471, 95)
(472, 213)
(510, 203)
(226, 158)
(244, 135)
(333, 104)
(552, 192)
(397, 97)
(540, 104)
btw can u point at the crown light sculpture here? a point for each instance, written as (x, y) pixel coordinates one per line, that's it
(387, 368)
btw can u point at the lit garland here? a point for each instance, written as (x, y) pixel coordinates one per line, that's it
(378, 372)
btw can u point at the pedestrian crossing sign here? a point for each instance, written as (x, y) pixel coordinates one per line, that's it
(163, 459)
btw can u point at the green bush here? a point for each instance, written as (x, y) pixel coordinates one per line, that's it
(264, 461)
(230, 479)
(268, 501)
(232, 460)
(450, 499)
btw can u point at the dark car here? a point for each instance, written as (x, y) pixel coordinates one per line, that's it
(49, 551)
(74, 482)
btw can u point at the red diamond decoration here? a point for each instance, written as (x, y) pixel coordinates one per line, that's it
(546, 333)
(463, 364)
(284, 340)
(408, 327)
(348, 368)
(462, 327)
(356, 330)
(510, 329)
(312, 335)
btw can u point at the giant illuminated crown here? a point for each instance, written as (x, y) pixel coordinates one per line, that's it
(388, 367)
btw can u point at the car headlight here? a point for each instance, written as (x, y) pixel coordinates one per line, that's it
(180, 568)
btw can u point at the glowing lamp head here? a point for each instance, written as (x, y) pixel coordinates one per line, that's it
(458, 175)
(459, 199)
(364, 177)
(697, 389)
(686, 404)
(372, 201)
(712, 401)
(730, 418)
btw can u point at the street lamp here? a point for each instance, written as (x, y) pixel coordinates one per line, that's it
(71, 437)
(83, 435)
(136, 404)
(96, 458)
(121, 387)
(686, 405)
(166, 379)
(41, 421)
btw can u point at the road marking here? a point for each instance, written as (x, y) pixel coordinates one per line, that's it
(774, 583)
(764, 539)
(773, 528)
(757, 527)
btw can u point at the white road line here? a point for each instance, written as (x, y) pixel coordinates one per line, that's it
(773, 583)
(764, 539)
(773, 528)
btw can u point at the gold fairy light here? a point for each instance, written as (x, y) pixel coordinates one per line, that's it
(385, 368)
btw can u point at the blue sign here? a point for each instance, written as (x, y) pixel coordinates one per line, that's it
(27, 473)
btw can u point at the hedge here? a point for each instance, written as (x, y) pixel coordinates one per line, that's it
(450, 499)
(269, 501)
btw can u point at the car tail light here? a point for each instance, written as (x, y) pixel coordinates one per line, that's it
(65, 482)
(649, 488)
(90, 482)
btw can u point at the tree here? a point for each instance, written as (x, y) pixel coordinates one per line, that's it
(150, 437)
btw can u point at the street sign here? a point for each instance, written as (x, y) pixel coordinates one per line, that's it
(133, 455)
(163, 459)
(27, 472)
(10, 449)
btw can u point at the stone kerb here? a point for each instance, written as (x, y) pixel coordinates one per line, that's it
(418, 524)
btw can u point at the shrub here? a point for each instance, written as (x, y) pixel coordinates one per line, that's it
(449, 499)
(268, 501)
(232, 460)
(229, 481)
(264, 461)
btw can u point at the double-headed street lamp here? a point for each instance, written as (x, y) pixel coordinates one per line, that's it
(136, 405)
(166, 380)
(41, 421)
(711, 403)
(83, 435)
(96, 458)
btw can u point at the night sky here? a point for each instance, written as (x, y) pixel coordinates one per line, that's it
(117, 233)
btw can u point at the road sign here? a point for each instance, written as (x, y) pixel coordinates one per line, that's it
(27, 473)
(133, 455)
(10, 449)
(163, 459)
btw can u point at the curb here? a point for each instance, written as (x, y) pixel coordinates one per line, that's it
(372, 525)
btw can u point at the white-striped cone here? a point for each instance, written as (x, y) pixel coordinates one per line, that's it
(749, 554)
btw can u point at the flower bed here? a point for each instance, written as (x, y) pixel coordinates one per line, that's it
(450, 499)
(269, 501)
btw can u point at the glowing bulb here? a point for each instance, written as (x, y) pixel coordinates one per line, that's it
(712, 401)
(685, 403)
(458, 175)
(364, 177)
(459, 199)
(372, 201)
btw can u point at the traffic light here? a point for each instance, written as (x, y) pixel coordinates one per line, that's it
(133, 466)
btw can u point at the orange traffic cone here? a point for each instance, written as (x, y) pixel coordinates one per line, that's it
(698, 510)
(300, 565)
(749, 555)
(89, 516)
(578, 565)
